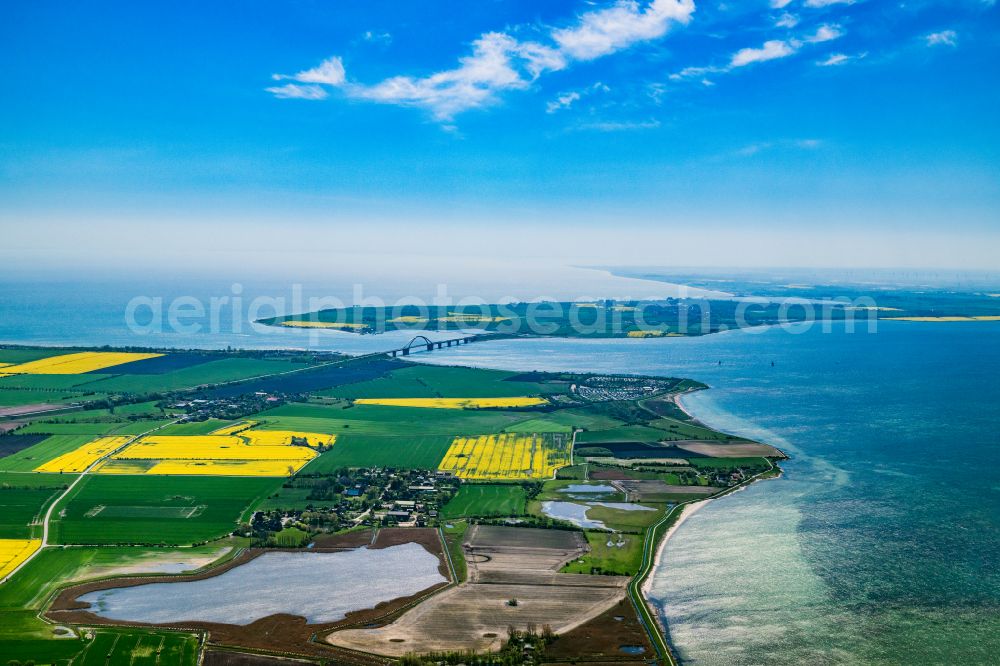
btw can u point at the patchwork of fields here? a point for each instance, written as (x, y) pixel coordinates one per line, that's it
(170, 510)
(176, 451)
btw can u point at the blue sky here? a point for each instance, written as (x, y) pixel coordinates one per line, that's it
(758, 132)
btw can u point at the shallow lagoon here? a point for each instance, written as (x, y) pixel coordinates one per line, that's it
(577, 513)
(573, 513)
(322, 587)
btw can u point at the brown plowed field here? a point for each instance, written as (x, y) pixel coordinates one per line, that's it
(506, 563)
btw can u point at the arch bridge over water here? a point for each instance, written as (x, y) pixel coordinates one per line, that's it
(423, 343)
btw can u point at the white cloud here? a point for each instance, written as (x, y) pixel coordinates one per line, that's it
(491, 68)
(499, 62)
(377, 37)
(771, 50)
(330, 72)
(780, 4)
(563, 101)
(295, 91)
(566, 99)
(690, 72)
(827, 3)
(605, 31)
(835, 59)
(787, 20)
(825, 33)
(943, 38)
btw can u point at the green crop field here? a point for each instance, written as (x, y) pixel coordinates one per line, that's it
(74, 428)
(213, 372)
(622, 560)
(48, 382)
(385, 420)
(194, 427)
(25, 355)
(400, 451)
(20, 507)
(625, 521)
(430, 381)
(486, 500)
(15, 397)
(538, 425)
(156, 509)
(108, 647)
(138, 427)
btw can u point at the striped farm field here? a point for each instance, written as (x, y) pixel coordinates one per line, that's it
(507, 457)
(15, 551)
(248, 453)
(83, 457)
(455, 403)
(76, 364)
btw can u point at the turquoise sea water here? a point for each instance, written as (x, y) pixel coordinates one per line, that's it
(881, 544)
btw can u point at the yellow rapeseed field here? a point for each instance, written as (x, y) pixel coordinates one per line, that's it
(234, 428)
(15, 551)
(454, 403)
(408, 319)
(75, 364)
(125, 466)
(508, 457)
(248, 453)
(83, 457)
(209, 447)
(227, 467)
(284, 438)
(645, 334)
(323, 324)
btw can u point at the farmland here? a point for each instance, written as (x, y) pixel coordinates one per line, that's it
(455, 403)
(507, 456)
(486, 500)
(74, 364)
(112, 509)
(182, 457)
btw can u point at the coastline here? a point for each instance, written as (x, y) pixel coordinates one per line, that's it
(687, 509)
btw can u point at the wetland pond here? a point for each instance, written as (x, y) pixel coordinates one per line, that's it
(576, 513)
(322, 587)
